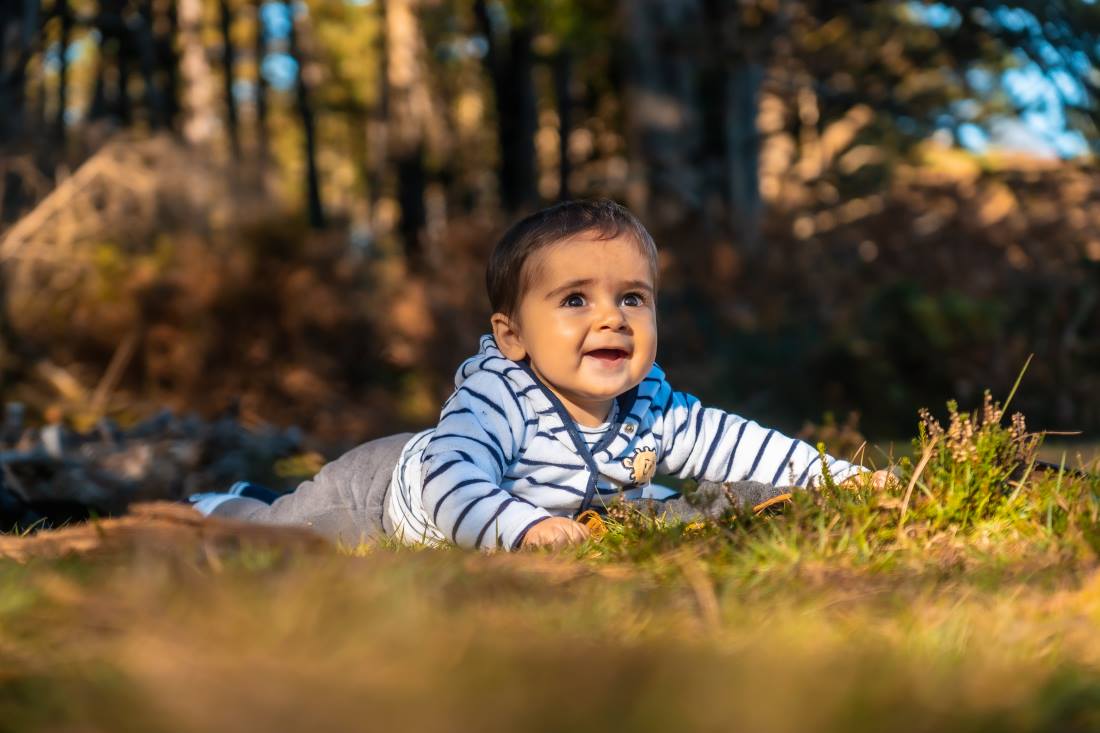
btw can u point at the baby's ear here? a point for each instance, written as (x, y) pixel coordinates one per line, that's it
(507, 337)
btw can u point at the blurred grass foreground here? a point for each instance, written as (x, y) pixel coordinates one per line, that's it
(965, 597)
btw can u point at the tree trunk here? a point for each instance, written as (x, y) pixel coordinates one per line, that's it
(563, 79)
(200, 122)
(260, 51)
(97, 106)
(124, 107)
(740, 55)
(7, 16)
(518, 169)
(305, 111)
(111, 28)
(663, 39)
(169, 61)
(378, 124)
(145, 43)
(358, 122)
(409, 104)
(226, 23)
(510, 62)
(411, 182)
(29, 34)
(743, 152)
(66, 18)
(19, 23)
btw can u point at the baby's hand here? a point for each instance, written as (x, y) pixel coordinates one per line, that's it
(878, 480)
(555, 532)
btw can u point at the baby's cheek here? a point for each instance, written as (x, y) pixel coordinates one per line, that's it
(649, 349)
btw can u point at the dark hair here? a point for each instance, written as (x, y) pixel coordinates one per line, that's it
(506, 277)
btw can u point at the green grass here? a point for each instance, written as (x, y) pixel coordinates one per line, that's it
(976, 610)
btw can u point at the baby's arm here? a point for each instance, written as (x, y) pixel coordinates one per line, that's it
(709, 444)
(480, 433)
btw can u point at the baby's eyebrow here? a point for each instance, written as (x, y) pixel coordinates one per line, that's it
(639, 285)
(570, 286)
(580, 283)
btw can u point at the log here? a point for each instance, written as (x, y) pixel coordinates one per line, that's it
(160, 527)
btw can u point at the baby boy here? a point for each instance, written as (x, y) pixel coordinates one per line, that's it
(562, 410)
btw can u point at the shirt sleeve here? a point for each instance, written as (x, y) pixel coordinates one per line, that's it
(480, 433)
(709, 444)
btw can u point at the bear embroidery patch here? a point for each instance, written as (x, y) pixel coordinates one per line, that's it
(642, 465)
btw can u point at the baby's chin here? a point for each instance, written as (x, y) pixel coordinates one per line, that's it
(611, 389)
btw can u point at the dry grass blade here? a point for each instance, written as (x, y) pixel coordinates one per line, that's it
(778, 499)
(860, 453)
(107, 383)
(926, 456)
(701, 587)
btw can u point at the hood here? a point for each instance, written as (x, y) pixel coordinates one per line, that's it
(489, 358)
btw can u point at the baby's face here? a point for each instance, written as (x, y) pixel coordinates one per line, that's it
(587, 322)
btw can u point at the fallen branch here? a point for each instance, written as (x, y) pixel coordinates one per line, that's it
(158, 526)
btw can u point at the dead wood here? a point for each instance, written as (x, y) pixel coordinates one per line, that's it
(159, 527)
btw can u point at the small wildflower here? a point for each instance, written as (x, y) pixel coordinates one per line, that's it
(930, 425)
(991, 411)
(978, 439)
(960, 438)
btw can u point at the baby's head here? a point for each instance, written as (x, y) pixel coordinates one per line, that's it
(573, 290)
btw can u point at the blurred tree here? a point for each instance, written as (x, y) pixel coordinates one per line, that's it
(563, 93)
(165, 25)
(305, 112)
(742, 43)
(225, 23)
(140, 26)
(663, 38)
(578, 44)
(200, 121)
(510, 59)
(1062, 39)
(377, 128)
(65, 16)
(19, 29)
(415, 119)
(259, 52)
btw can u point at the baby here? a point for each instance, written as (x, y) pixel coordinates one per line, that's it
(562, 410)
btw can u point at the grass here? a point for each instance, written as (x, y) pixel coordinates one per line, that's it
(971, 606)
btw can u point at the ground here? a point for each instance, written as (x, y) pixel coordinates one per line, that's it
(964, 597)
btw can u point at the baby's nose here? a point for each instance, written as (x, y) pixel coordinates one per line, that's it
(611, 316)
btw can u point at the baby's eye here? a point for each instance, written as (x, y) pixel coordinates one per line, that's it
(573, 300)
(633, 299)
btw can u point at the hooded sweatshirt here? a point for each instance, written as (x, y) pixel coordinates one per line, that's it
(506, 455)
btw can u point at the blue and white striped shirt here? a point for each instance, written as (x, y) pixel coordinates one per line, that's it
(506, 455)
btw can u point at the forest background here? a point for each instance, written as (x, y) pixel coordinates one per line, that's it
(282, 209)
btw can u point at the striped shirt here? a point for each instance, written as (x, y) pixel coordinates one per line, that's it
(506, 454)
(593, 435)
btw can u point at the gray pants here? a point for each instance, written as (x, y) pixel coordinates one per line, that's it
(345, 501)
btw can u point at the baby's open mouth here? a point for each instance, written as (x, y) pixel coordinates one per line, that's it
(608, 355)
